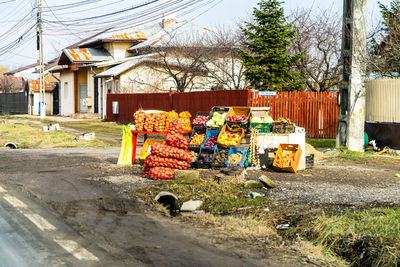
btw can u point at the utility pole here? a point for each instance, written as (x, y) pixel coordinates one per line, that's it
(39, 35)
(351, 117)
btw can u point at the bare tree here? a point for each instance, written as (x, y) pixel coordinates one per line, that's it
(319, 39)
(384, 42)
(222, 60)
(11, 84)
(207, 60)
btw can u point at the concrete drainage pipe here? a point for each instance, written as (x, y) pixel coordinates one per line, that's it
(11, 145)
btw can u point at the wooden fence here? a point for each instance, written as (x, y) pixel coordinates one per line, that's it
(315, 111)
(188, 101)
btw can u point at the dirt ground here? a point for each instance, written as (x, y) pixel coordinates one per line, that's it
(90, 191)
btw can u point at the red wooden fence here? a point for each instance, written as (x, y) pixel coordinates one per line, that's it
(205, 100)
(315, 111)
(188, 101)
(129, 103)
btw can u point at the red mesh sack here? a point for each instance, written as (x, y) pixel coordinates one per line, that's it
(156, 161)
(176, 140)
(167, 151)
(161, 173)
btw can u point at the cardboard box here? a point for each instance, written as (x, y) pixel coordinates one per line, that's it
(146, 149)
(283, 150)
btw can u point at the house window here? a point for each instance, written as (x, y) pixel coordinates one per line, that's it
(109, 86)
(65, 90)
(117, 86)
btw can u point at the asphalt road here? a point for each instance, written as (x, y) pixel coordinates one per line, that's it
(30, 235)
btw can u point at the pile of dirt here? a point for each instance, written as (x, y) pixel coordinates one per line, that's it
(311, 150)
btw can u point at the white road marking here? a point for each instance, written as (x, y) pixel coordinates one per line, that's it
(15, 202)
(76, 250)
(39, 221)
(69, 245)
(36, 219)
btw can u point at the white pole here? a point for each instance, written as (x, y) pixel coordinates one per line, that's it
(355, 133)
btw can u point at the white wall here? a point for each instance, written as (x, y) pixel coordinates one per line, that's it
(48, 100)
(90, 84)
(67, 94)
(145, 79)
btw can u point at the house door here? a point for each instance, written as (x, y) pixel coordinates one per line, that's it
(56, 100)
(96, 95)
(83, 94)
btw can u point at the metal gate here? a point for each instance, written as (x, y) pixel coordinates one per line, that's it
(14, 103)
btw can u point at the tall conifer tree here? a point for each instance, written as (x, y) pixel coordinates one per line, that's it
(267, 61)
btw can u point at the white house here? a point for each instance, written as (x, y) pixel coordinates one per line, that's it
(34, 90)
(130, 61)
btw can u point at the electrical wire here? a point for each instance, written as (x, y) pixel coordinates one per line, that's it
(123, 18)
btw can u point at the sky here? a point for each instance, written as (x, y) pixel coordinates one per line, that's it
(221, 12)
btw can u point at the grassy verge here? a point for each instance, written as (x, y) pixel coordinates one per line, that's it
(322, 143)
(218, 198)
(99, 127)
(363, 237)
(230, 212)
(26, 136)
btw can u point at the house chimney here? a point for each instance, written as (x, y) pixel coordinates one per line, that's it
(168, 20)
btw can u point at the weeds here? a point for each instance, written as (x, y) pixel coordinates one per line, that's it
(363, 237)
(218, 198)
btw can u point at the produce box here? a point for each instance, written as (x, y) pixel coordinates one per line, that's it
(236, 150)
(197, 130)
(220, 110)
(194, 152)
(282, 128)
(221, 156)
(259, 111)
(200, 113)
(211, 134)
(146, 149)
(226, 133)
(287, 158)
(235, 112)
(261, 127)
(206, 158)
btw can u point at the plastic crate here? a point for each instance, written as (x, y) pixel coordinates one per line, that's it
(291, 149)
(238, 111)
(198, 130)
(310, 161)
(200, 113)
(216, 165)
(218, 109)
(261, 127)
(193, 164)
(208, 135)
(145, 151)
(201, 163)
(234, 150)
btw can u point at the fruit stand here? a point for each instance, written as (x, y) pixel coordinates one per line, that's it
(223, 137)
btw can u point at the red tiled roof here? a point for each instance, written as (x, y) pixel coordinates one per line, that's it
(35, 87)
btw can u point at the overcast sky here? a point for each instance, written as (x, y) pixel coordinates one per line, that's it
(226, 12)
